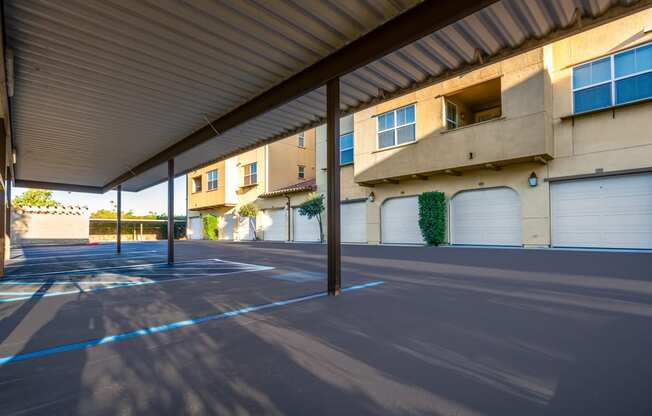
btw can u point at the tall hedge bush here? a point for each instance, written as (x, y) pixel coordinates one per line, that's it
(210, 227)
(432, 217)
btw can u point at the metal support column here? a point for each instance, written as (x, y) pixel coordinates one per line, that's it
(170, 211)
(118, 222)
(9, 185)
(333, 185)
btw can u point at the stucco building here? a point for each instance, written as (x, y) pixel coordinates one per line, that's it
(549, 147)
(221, 188)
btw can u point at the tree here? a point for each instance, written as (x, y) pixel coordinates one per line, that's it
(35, 198)
(312, 208)
(248, 210)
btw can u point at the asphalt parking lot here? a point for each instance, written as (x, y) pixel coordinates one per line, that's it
(245, 328)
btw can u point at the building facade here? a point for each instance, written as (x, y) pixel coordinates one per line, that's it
(552, 147)
(221, 188)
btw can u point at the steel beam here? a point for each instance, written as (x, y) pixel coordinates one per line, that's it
(4, 225)
(419, 21)
(118, 222)
(59, 186)
(333, 186)
(170, 211)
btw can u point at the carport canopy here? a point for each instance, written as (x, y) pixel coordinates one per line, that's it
(130, 93)
(104, 93)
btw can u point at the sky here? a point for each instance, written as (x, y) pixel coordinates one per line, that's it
(150, 199)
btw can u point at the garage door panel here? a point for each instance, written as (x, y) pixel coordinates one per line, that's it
(486, 217)
(304, 229)
(354, 222)
(226, 227)
(610, 212)
(274, 224)
(400, 221)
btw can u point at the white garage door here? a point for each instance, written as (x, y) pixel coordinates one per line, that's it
(486, 217)
(226, 227)
(304, 229)
(354, 222)
(399, 221)
(605, 212)
(274, 225)
(195, 229)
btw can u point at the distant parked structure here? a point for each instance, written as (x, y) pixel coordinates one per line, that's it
(49, 225)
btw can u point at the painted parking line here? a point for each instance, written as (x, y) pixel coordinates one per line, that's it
(172, 326)
(99, 269)
(209, 271)
(33, 260)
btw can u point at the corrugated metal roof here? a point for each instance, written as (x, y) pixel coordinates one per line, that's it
(102, 86)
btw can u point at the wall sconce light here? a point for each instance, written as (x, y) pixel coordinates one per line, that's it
(371, 197)
(533, 180)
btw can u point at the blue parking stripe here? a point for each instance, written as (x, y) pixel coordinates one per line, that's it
(169, 327)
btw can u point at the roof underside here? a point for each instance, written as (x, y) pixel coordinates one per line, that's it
(102, 86)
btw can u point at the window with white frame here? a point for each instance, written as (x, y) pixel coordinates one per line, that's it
(451, 115)
(301, 172)
(616, 79)
(302, 140)
(250, 174)
(212, 178)
(346, 148)
(397, 127)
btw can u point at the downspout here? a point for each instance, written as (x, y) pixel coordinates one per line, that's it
(289, 217)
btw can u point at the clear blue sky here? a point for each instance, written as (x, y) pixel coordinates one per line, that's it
(151, 199)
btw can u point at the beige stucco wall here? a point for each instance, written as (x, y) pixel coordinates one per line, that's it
(609, 141)
(277, 167)
(523, 84)
(206, 198)
(43, 227)
(285, 156)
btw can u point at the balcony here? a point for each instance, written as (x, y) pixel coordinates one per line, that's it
(491, 143)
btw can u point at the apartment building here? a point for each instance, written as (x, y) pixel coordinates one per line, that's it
(221, 188)
(552, 147)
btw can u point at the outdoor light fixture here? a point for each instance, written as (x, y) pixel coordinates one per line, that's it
(533, 180)
(372, 197)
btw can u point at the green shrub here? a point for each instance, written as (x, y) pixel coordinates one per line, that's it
(210, 227)
(248, 210)
(432, 217)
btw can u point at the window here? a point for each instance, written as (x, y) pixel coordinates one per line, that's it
(452, 118)
(346, 148)
(474, 104)
(617, 79)
(212, 177)
(302, 140)
(196, 184)
(302, 172)
(396, 127)
(250, 174)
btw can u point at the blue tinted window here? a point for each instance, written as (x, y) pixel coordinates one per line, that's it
(592, 98)
(644, 58)
(346, 156)
(405, 115)
(346, 141)
(386, 121)
(582, 76)
(592, 73)
(625, 63)
(633, 61)
(634, 88)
